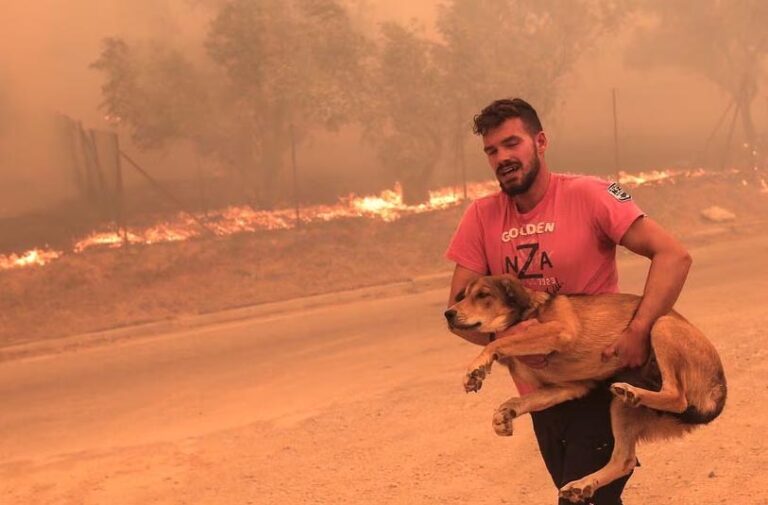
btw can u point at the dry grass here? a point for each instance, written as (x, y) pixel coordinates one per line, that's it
(111, 288)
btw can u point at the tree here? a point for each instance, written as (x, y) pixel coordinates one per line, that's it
(155, 92)
(526, 48)
(722, 41)
(406, 109)
(426, 91)
(162, 98)
(292, 65)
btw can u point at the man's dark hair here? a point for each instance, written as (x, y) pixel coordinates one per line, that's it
(500, 110)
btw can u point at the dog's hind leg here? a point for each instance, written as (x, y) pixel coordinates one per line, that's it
(626, 431)
(671, 397)
(535, 401)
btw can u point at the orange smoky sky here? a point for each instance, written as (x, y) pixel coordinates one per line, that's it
(49, 44)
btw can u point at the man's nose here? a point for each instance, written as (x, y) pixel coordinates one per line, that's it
(450, 314)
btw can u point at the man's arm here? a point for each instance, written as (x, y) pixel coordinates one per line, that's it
(461, 277)
(670, 263)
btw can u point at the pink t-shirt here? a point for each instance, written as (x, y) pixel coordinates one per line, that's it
(565, 244)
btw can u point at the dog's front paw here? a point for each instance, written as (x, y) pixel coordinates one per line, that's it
(476, 372)
(577, 491)
(625, 392)
(502, 420)
(473, 380)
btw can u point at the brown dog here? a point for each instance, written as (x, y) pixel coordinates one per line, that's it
(683, 379)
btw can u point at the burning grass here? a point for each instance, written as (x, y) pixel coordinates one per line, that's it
(107, 288)
(387, 206)
(101, 288)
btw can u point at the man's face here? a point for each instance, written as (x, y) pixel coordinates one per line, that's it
(513, 155)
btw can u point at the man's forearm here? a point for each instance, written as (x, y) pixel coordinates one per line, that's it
(665, 280)
(669, 268)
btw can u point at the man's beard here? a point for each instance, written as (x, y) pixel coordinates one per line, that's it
(528, 179)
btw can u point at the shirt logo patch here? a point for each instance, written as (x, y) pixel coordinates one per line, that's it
(618, 193)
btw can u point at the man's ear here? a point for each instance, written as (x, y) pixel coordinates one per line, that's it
(515, 292)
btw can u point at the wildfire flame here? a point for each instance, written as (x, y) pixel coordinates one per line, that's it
(388, 206)
(38, 257)
(657, 176)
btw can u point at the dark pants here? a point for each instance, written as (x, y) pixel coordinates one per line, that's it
(575, 439)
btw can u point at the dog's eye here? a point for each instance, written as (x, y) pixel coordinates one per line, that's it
(459, 296)
(482, 295)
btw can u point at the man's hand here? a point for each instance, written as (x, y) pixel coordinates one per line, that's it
(631, 347)
(531, 360)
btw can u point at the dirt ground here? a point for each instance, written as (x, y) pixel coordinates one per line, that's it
(355, 404)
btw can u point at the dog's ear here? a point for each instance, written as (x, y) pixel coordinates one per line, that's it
(515, 292)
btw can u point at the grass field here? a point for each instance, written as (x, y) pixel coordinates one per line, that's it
(101, 289)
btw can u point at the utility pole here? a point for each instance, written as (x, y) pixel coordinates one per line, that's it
(616, 165)
(122, 228)
(201, 186)
(295, 177)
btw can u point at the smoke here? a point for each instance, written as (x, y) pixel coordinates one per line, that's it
(48, 47)
(663, 114)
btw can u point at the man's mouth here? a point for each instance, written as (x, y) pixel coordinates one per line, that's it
(508, 169)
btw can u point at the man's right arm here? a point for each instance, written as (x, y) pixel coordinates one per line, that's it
(461, 277)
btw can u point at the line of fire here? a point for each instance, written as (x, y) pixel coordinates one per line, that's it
(387, 206)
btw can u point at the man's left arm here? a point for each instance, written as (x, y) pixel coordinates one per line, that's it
(670, 262)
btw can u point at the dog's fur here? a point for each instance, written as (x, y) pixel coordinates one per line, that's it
(682, 385)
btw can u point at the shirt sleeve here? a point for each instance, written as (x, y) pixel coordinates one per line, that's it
(467, 247)
(613, 209)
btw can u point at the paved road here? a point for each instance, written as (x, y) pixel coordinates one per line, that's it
(68, 417)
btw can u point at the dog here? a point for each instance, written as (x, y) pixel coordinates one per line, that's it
(681, 386)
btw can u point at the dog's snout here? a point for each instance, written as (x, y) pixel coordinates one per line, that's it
(450, 314)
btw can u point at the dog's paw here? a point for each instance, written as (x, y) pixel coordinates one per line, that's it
(577, 491)
(502, 420)
(625, 392)
(473, 380)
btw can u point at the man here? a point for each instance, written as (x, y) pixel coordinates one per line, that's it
(559, 233)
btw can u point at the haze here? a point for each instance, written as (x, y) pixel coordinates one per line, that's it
(234, 327)
(664, 114)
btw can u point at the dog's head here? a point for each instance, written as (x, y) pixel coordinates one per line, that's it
(490, 304)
